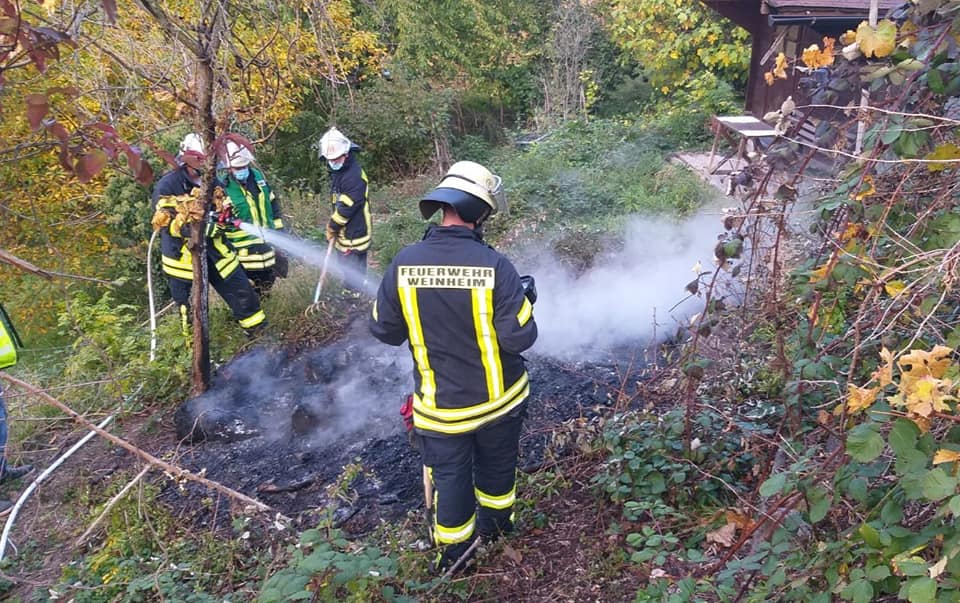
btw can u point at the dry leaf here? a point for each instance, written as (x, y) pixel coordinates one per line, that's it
(884, 372)
(514, 555)
(724, 536)
(877, 42)
(945, 456)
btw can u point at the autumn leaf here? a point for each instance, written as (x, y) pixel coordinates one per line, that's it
(724, 536)
(820, 273)
(868, 191)
(941, 155)
(884, 372)
(814, 58)
(90, 165)
(768, 77)
(858, 398)
(848, 37)
(894, 288)
(928, 395)
(919, 363)
(877, 42)
(945, 456)
(780, 67)
(37, 107)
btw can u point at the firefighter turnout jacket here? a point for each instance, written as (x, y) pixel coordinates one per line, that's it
(255, 203)
(460, 305)
(177, 259)
(351, 211)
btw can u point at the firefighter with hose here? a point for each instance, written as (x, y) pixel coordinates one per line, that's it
(253, 201)
(171, 204)
(466, 315)
(9, 342)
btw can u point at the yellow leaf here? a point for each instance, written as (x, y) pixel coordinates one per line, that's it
(941, 155)
(866, 192)
(884, 372)
(780, 68)
(858, 398)
(848, 37)
(908, 34)
(927, 395)
(945, 456)
(820, 273)
(814, 58)
(919, 363)
(894, 288)
(877, 42)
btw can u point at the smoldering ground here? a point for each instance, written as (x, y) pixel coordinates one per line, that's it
(282, 428)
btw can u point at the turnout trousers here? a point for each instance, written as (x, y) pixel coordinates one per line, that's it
(474, 481)
(235, 289)
(354, 268)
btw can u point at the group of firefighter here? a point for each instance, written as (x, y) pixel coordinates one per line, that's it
(461, 307)
(241, 265)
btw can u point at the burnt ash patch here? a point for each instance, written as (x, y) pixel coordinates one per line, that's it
(282, 429)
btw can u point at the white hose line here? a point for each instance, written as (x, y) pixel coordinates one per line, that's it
(153, 316)
(26, 493)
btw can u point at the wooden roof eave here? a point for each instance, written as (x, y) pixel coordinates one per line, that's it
(745, 13)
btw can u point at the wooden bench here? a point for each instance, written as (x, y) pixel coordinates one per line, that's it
(740, 131)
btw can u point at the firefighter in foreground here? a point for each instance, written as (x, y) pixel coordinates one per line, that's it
(349, 226)
(8, 357)
(254, 202)
(171, 196)
(466, 315)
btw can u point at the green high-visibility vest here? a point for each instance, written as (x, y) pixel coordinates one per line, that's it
(9, 342)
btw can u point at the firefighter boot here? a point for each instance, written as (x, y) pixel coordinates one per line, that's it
(459, 554)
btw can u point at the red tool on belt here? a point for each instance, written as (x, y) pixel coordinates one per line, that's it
(406, 411)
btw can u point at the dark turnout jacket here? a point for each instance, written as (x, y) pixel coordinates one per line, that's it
(351, 210)
(460, 306)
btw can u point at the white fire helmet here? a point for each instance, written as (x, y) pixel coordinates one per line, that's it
(473, 190)
(237, 155)
(333, 144)
(192, 151)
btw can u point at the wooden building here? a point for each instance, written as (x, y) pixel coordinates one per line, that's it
(789, 26)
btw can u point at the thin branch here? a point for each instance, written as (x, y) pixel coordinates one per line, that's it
(175, 472)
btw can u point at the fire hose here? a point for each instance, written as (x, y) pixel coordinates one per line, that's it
(153, 315)
(33, 486)
(223, 219)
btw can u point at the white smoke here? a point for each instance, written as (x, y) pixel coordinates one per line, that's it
(311, 253)
(634, 295)
(631, 296)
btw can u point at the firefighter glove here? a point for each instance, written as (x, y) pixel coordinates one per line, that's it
(331, 233)
(529, 286)
(214, 227)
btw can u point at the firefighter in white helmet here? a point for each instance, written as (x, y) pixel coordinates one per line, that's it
(225, 272)
(466, 315)
(349, 226)
(253, 201)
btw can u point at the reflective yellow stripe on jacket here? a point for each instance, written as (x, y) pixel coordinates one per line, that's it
(182, 267)
(8, 351)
